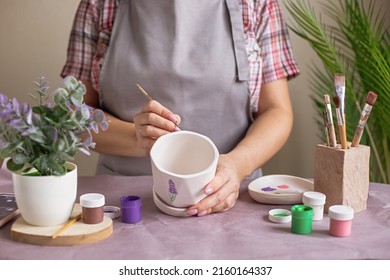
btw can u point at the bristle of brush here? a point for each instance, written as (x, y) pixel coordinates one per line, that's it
(327, 99)
(339, 80)
(371, 98)
(336, 101)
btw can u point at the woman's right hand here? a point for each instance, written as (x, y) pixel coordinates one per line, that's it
(136, 138)
(153, 121)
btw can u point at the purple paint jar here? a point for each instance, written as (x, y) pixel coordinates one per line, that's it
(131, 209)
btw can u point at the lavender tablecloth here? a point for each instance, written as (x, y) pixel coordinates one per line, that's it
(241, 233)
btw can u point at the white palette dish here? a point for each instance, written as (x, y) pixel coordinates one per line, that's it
(279, 189)
(172, 211)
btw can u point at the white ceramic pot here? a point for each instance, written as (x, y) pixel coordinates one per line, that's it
(183, 163)
(46, 200)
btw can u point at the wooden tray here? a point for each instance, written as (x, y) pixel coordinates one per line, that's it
(77, 234)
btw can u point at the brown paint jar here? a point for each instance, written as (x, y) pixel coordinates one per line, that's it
(92, 208)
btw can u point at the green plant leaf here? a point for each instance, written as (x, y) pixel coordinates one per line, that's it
(46, 136)
(353, 42)
(13, 166)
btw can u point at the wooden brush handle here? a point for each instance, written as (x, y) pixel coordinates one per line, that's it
(332, 136)
(357, 136)
(343, 137)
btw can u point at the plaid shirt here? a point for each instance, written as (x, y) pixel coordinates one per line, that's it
(266, 37)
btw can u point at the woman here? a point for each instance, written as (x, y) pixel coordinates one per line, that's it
(217, 67)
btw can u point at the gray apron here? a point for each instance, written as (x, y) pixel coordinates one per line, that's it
(187, 54)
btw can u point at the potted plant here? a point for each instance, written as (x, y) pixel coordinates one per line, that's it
(40, 143)
(354, 41)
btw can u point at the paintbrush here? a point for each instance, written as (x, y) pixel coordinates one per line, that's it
(370, 101)
(144, 92)
(150, 99)
(329, 121)
(66, 226)
(326, 128)
(339, 86)
(341, 124)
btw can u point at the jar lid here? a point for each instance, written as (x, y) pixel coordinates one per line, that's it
(92, 200)
(279, 216)
(341, 212)
(112, 212)
(313, 198)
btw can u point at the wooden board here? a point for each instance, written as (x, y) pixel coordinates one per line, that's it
(77, 234)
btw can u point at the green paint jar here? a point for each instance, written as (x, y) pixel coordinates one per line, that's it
(302, 219)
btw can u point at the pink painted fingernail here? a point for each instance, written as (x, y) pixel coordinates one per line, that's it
(172, 118)
(208, 191)
(203, 213)
(191, 212)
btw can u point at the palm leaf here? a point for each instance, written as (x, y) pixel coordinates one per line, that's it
(353, 42)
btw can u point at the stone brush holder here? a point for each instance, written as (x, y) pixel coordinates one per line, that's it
(343, 175)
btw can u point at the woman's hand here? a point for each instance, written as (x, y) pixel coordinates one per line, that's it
(222, 191)
(265, 137)
(153, 121)
(132, 139)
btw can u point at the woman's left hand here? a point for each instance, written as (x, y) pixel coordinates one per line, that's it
(222, 191)
(265, 137)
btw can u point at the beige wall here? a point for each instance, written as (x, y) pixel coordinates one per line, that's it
(33, 41)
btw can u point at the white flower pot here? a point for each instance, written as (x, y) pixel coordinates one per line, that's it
(46, 200)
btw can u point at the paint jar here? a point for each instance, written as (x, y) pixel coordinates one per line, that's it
(340, 220)
(92, 208)
(302, 219)
(131, 209)
(315, 200)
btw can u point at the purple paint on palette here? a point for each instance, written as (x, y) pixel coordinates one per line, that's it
(268, 189)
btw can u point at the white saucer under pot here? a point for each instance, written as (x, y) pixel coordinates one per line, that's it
(172, 211)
